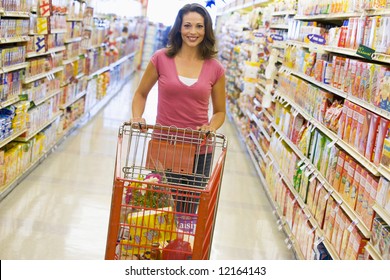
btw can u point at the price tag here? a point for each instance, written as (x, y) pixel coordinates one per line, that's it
(326, 197)
(319, 240)
(352, 225)
(309, 171)
(330, 145)
(313, 177)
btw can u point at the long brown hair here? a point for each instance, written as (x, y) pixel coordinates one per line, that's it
(206, 47)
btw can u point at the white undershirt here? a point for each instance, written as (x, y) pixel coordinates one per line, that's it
(187, 81)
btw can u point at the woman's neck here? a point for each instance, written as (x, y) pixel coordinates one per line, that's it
(190, 54)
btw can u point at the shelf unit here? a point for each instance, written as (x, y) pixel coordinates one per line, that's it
(73, 112)
(255, 131)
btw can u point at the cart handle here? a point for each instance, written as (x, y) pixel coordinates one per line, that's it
(145, 127)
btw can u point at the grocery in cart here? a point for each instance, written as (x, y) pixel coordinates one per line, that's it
(165, 193)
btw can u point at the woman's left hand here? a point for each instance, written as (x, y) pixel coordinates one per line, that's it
(206, 129)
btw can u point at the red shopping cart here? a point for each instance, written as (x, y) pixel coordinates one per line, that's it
(165, 193)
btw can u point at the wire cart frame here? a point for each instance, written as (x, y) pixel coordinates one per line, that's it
(165, 193)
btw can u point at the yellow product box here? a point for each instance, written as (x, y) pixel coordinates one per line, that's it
(149, 226)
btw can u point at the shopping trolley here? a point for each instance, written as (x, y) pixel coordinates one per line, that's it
(165, 193)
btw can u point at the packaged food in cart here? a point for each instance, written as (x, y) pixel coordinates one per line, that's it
(165, 193)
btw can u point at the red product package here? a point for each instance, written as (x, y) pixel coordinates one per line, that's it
(382, 132)
(348, 122)
(360, 127)
(372, 136)
(343, 117)
(354, 125)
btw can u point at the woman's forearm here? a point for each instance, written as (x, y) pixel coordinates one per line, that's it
(217, 120)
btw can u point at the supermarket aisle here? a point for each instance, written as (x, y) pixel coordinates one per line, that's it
(60, 211)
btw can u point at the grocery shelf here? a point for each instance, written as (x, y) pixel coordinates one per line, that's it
(370, 166)
(260, 150)
(379, 57)
(9, 102)
(385, 215)
(72, 40)
(14, 14)
(284, 13)
(6, 69)
(17, 39)
(70, 60)
(47, 97)
(50, 51)
(347, 209)
(31, 135)
(14, 135)
(77, 97)
(338, 92)
(373, 252)
(278, 26)
(43, 75)
(58, 30)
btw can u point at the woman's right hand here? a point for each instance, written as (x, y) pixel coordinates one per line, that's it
(141, 122)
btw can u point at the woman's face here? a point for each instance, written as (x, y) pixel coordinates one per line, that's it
(192, 29)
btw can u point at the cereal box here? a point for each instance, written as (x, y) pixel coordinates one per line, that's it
(371, 137)
(350, 178)
(354, 125)
(361, 190)
(343, 117)
(362, 142)
(383, 131)
(348, 121)
(354, 187)
(311, 189)
(150, 226)
(339, 170)
(360, 126)
(321, 207)
(383, 189)
(330, 213)
(331, 170)
(384, 89)
(344, 175)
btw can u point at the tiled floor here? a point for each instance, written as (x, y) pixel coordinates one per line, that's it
(60, 211)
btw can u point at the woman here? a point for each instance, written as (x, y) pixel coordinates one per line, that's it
(187, 75)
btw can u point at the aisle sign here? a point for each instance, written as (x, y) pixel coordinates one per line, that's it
(42, 25)
(316, 39)
(44, 8)
(277, 37)
(40, 44)
(365, 52)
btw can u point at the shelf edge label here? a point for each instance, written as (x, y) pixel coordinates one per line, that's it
(365, 52)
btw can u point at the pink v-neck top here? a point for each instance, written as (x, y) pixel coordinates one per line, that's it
(181, 105)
